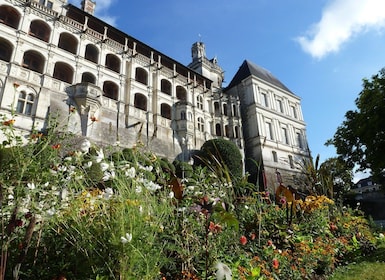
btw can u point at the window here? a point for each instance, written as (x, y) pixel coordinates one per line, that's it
(6, 50)
(68, 42)
(140, 101)
(236, 129)
(275, 157)
(113, 63)
(111, 90)
(88, 78)
(40, 30)
(9, 16)
(92, 53)
(216, 108)
(63, 72)
(165, 86)
(201, 126)
(280, 105)
(269, 131)
(141, 76)
(218, 129)
(294, 112)
(165, 111)
(34, 61)
(200, 102)
(299, 140)
(183, 115)
(291, 162)
(181, 93)
(224, 106)
(25, 103)
(48, 4)
(235, 111)
(227, 131)
(264, 100)
(285, 137)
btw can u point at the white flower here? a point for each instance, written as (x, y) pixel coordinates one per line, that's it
(85, 146)
(104, 166)
(223, 272)
(31, 186)
(126, 239)
(100, 156)
(64, 194)
(130, 172)
(51, 212)
(87, 164)
(138, 189)
(108, 193)
(381, 236)
(171, 195)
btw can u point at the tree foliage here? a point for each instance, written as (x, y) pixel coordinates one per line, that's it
(360, 139)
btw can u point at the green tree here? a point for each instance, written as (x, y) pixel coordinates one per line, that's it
(360, 139)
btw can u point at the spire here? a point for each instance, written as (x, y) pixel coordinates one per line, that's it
(88, 6)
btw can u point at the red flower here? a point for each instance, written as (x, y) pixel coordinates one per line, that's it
(215, 228)
(19, 223)
(275, 264)
(253, 236)
(93, 119)
(56, 147)
(269, 243)
(243, 240)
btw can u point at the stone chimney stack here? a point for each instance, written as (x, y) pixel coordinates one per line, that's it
(88, 6)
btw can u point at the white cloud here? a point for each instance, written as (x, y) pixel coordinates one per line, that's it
(100, 9)
(340, 21)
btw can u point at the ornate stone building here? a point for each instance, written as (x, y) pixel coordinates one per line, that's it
(57, 59)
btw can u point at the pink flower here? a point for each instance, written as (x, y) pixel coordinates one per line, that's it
(243, 240)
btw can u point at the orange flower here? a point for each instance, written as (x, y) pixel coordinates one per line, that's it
(36, 136)
(253, 236)
(275, 264)
(9, 122)
(243, 240)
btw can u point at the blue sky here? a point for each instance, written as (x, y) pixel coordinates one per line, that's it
(321, 50)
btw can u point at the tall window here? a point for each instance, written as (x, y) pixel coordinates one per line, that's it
(183, 115)
(224, 106)
(6, 50)
(140, 101)
(181, 93)
(165, 86)
(236, 129)
(92, 53)
(285, 136)
(227, 131)
(291, 161)
(275, 157)
(141, 76)
(200, 102)
(280, 105)
(216, 108)
(165, 111)
(269, 131)
(235, 111)
(299, 140)
(264, 100)
(201, 125)
(25, 103)
(294, 112)
(218, 129)
(113, 63)
(110, 90)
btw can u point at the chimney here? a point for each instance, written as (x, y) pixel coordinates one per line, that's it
(88, 6)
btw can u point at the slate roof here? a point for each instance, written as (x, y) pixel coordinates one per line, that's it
(250, 69)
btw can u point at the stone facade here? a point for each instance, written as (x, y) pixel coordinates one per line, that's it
(57, 59)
